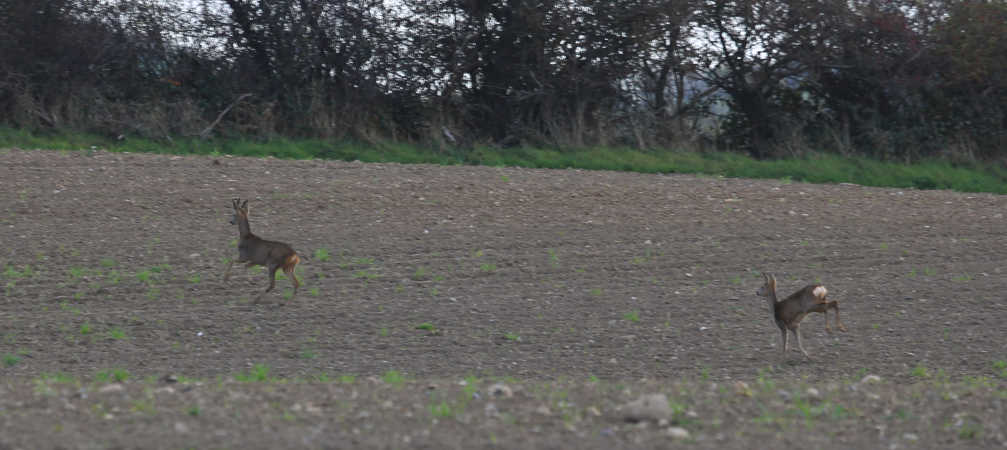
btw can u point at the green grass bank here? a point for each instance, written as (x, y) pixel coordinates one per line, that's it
(817, 168)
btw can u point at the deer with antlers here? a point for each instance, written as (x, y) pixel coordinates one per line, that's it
(789, 312)
(253, 250)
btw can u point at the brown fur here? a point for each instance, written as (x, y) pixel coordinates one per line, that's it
(789, 312)
(253, 251)
(288, 268)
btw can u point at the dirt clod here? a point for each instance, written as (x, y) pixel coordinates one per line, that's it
(650, 407)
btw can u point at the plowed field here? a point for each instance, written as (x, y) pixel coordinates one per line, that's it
(577, 290)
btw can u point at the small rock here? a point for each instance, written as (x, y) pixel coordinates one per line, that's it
(870, 379)
(741, 388)
(910, 437)
(784, 394)
(501, 390)
(959, 419)
(813, 393)
(594, 411)
(491, 410)
(181, 427)
(653, 407)
(115, 387)
(543, 410)
(678, 433)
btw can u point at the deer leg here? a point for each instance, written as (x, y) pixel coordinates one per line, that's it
(800, 345)
(822, 307)
(835, 305)
(293, 278)
(271, 270)
(784, 331)
(228, 273)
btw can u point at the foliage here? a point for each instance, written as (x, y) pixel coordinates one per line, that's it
(900, 80)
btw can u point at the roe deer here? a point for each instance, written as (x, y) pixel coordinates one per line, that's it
(789, 312)
(253, 250)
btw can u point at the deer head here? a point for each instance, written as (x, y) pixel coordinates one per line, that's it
(769, 287)
(240, 211)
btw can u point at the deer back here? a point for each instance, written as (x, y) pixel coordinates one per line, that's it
(262, 252)
(793, 308)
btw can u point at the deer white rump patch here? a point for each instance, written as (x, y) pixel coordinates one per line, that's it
(820, 291)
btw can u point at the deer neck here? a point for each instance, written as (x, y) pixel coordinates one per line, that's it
(771, 298)
(244, 230)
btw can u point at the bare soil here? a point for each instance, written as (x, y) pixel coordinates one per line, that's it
(578, 290)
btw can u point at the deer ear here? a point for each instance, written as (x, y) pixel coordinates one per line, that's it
(245, 205)
(234, 202)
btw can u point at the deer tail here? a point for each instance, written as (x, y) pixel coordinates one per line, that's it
(820, 292)
(290, 262)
